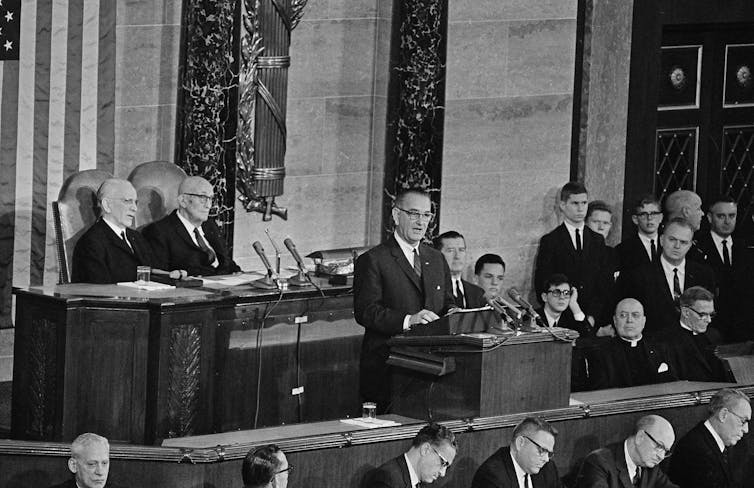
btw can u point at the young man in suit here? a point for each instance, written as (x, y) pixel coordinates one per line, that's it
(431, 453)
(658, 286)
(109, 251)
(453, 246)
(644, 246)
(578, 252)
(634, 462)
(188, 237)
(705, 457)
(89, 462)
(489, 272)
(397, 285)
(525, 463)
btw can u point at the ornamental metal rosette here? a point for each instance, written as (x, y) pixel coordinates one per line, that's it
(266, 27)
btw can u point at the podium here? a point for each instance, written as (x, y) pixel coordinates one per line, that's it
(440, 375)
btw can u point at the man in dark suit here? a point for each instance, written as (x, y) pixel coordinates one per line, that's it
(659, 286)
(398, 284)
(644, 246)
(89, 462)
(579, 253)
(691, 342)
(109, 251)
(705, 456)
(265, 467)
(453, 246)
(561, 306)
(729, 258)
(526, 462)
(599, 218)
(431, 454)
(633, 462)
(188, 237)
(629, 359)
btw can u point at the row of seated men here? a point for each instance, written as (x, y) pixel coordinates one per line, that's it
(403, 284)
(186, 242)
(706, 457)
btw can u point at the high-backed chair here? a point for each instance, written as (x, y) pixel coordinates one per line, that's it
(74, 212)
(156, 184)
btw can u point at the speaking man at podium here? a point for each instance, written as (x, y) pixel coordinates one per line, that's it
(398, 284)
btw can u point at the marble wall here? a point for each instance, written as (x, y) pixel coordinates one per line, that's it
(146, 86)
(337, 99)
(509, 94)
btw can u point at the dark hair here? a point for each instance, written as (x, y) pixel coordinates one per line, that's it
(721, 199)
(411, 191)
(487, 259)
(555, 280)
(435, 434)
(260, 466)
(678, 221)
(647, 199)
(571, 188)
(598, 206)
(695, 294)
(451, 234)
(531, 425)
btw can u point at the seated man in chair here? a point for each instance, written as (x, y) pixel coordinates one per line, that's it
(188, 237)
(109, 251)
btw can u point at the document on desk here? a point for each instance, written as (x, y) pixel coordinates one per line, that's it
(146, 285)
(225, 281)
(370, 423)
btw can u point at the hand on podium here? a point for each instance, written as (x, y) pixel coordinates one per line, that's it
(422, 317)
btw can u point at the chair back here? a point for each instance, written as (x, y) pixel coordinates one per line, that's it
(73, 213)
(156, 184)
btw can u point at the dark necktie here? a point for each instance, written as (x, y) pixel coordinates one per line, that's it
(653, 250)
(526, 481)
(204, 247)
(637, 476)
(725, 457)
(578, 241)
(676, 286)
(417, 264)
(460, 299)
(726, 254)
(555, 323)
(123, 236)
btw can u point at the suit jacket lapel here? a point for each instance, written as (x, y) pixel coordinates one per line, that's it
(690, 279)
(566, 237)
(662, 282)
(712, 446)
(116, 239)
(404, 472)
(180, 229)
(620, 465)
(402, 262)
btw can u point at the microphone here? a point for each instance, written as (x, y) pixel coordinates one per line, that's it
(260, 251)
(516, 297)
(302, 278)
(267, 282)
(503, 303)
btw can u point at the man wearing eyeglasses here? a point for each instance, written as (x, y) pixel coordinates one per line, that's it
(110, 250)
(432, 452)
(633, 462)
(706, 457)
(629, 359)
(526, 463)
(188, 238)
(644, 246)
(399, 284)
(658, 286)
(265, 467)
(691, 342)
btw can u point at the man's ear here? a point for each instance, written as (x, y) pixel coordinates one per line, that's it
(72, 466)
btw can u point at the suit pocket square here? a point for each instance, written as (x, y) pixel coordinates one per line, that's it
(663, 368)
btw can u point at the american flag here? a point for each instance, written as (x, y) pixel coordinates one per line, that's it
(57, 97)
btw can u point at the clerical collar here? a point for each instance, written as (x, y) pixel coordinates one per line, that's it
(633, 342)
(684, 326)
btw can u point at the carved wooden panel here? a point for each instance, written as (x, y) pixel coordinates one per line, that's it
(41, 389)
(183, 380)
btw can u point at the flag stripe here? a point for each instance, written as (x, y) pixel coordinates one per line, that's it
(73, 88)
(8, 120)
(106, 87)
(24, 145)
(41, 131)
(89, 65)
(56, 130)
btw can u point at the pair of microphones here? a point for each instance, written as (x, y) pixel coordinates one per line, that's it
(511, 312)
(272, 280)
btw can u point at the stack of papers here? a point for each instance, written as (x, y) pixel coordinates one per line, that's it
(370, 423)
(146, 285)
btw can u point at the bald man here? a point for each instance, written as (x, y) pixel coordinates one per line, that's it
(633, 462)
(109, 251)
(188, 238)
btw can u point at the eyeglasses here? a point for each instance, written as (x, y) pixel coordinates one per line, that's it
(648, 215)
(540, 450)
(743, 420)
(703, 315)
(203, 199)
(126, 201)
(559, 293)
(443, 462)
(415, 216)
(659, 446)
(289, 469)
